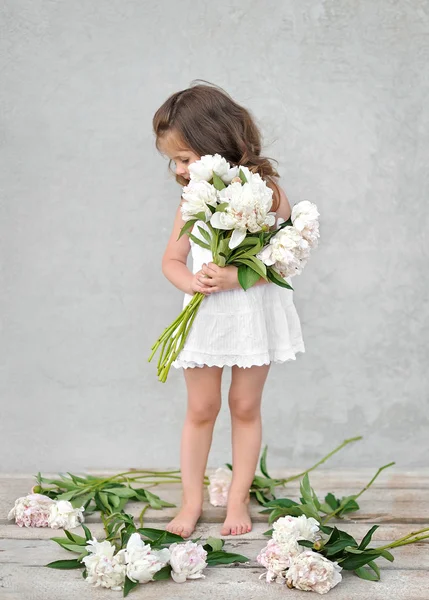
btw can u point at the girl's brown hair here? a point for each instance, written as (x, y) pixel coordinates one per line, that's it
(208, 121)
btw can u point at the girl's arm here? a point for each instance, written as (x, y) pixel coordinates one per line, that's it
(226, 278)
(174, 261)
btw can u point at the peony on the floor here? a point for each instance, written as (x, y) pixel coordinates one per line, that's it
(398, 501)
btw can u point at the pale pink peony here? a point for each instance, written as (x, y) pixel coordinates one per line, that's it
(187, 561)
(305, 218)
(104, 567)
(220, 482)
(64, 516)
(32, 510)
(288, 530)
(142, 561)
(275, 561)
(312, 572)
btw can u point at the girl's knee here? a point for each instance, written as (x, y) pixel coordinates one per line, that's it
(244, 407)
(204, 410)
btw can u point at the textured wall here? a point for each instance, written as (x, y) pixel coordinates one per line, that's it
(340, 89)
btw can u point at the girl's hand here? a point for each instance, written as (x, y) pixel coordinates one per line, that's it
(199, 284)
(220, 279)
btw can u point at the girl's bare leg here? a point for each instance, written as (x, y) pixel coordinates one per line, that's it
(204, 401)
(245, 405)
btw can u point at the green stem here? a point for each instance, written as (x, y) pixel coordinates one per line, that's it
(404, 541)
(142, 513)
(339, 509)
(373, 479)
(321, 461)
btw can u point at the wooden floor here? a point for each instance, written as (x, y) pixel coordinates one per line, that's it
(398, 502)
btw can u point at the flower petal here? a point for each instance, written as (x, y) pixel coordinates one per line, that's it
(237, 237)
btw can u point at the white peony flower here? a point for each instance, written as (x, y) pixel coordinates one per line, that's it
(187, 561)
(287, 252)
(288, 530)
(219, 483)
(275, 560)
(32, 510)
(142, 561)
(197, 196)
(305, 218)
(312, 572)
(247, 209)
(63, 516)
(104, 568)
(203, 169)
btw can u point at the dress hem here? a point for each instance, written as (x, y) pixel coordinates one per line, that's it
(243, 362)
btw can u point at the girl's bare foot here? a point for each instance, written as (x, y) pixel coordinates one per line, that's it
(184, 523)
(237, 519)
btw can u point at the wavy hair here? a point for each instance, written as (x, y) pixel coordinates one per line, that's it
(208, 121)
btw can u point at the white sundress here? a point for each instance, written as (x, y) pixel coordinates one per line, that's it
(237, 327)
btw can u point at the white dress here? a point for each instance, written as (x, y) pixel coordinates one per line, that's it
(243, 328)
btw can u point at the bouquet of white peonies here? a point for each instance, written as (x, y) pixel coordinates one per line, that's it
(234, 203)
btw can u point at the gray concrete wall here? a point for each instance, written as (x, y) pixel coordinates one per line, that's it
(340, 89)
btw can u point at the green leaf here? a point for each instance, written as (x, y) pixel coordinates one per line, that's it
(218, 183)
(242, 176)
(263, 462)
(353, 550)
(76, 539)
(315, 500)
(348, 504)
(163, 573)
(104, 499)
(224, 558)
(198, 242)
(326, 529)
(154, 534)
(154, 500)
(364, 573)
(129, 585)
(309, 510)
(122, 492)
(215, 544)
(276, 514)
(338, 542)
(186, 227)
(114, 500)
(206, 235)
(255, 264)
(247, 276)
(82, 499)
(384, 553)
(65, 564)
(260, 498)
(68, 495)
(269, 532)
(222, 207)
(332, 502)
(305, 543)
(375, 568)
(201, 216)
(88, 534)
(77, 479)
(366, 540)
(275, 278)
(354, 561)
(281, 503)
(73, 547)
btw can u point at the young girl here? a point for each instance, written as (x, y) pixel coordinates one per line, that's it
(245, 330)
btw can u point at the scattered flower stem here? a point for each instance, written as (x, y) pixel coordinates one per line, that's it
(283, 482)
(337, 510)
(404, 541)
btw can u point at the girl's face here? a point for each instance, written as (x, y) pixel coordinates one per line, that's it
(170, 146)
